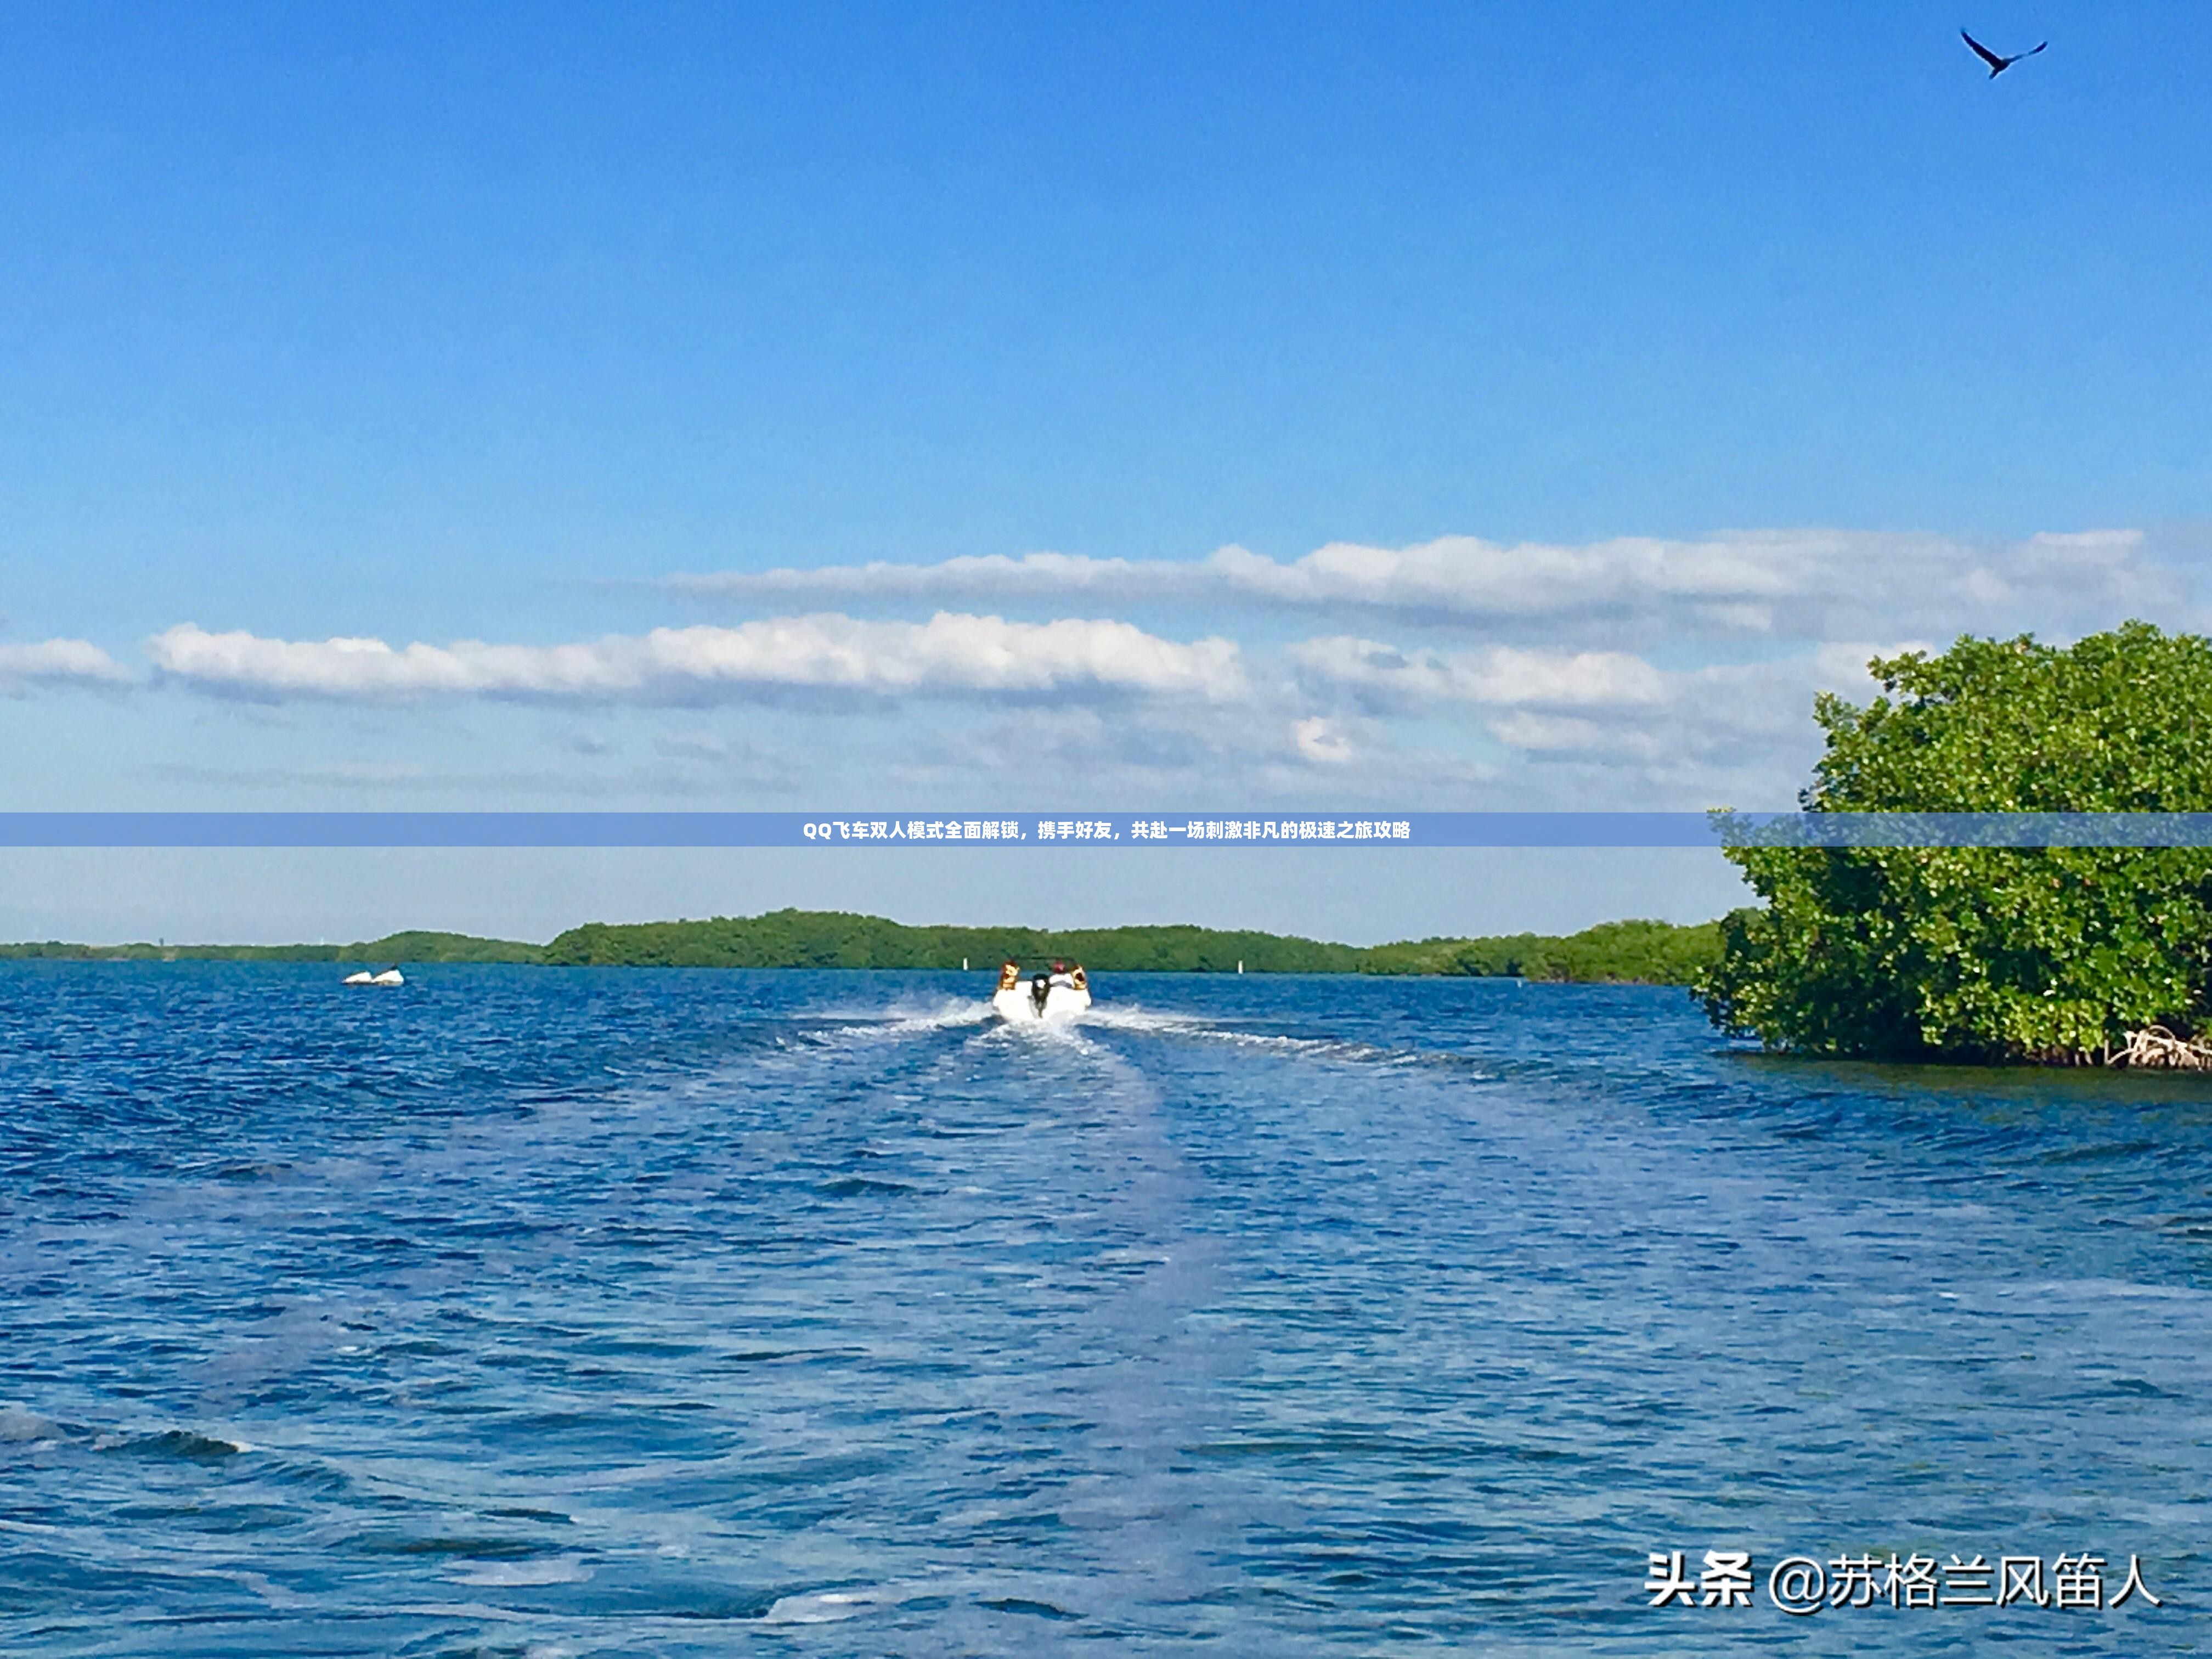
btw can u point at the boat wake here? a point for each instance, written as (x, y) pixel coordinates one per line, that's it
(1067, 1033)
(906, 1021)
(1141, 1022)
(901, 1021)
(1126, 1016)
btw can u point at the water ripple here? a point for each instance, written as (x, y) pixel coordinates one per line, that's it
(561, 1312)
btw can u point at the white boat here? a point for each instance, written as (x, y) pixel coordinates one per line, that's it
(1055, 997)
(389, 976)
(1020, 1005)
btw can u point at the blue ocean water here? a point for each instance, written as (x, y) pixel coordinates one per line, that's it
(551, 1312)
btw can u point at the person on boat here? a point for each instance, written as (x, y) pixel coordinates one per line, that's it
(1078, 978)
(1060, 975)
(1010, 974)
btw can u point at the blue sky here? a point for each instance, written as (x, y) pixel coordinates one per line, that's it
(1643, 370)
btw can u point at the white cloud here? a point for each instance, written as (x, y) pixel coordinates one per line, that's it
(949, 654)
(1784, 583)
(1610, 722)
(1500, 675)
(1322, 739)
(1735, 716)
(990, 577)
(58, 661)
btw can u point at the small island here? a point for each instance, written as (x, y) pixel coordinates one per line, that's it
(1644, 952)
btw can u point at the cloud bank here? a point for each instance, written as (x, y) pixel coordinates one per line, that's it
(1461, 671)
(950, 654)
(1782, 584)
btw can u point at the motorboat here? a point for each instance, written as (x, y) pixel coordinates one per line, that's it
(391, 976)
(1056, 995)
(1023, 1004)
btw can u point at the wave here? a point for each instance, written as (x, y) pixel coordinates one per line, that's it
(515, 1575)
(1128, 1017)
(1142, 1022)
(187, 1445)
(831, 1607)
(901, 1020)
(21, 1426)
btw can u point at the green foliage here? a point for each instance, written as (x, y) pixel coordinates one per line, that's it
(415, 946)
(1647, 950)
(1982, 953)
(818, 938)
(424, 946)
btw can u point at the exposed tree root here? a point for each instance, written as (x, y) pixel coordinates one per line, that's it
(2156, 1049)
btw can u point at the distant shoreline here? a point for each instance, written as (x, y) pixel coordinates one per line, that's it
(1617, 952)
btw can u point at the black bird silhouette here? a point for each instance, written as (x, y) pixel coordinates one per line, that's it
(1998, 65)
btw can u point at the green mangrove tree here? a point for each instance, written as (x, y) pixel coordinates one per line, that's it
(1988, 954)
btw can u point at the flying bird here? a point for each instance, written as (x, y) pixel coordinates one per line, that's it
(1998, 65)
